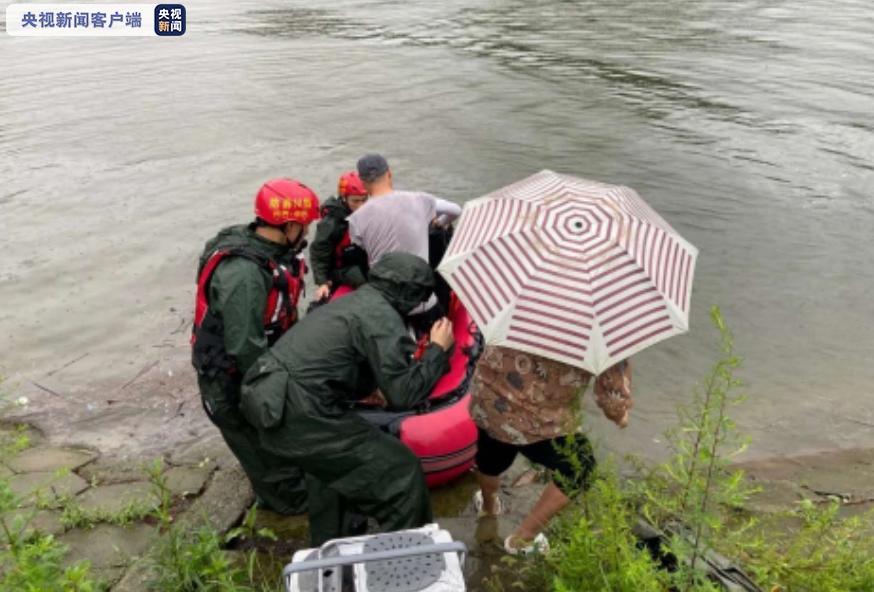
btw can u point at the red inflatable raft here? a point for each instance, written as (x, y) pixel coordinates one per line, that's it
(440, 431)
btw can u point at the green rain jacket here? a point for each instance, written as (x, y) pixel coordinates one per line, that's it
(238, 291)
(323, 257)
(346, 349)
(237, 298)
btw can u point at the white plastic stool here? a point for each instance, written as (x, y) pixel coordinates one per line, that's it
(418, 560)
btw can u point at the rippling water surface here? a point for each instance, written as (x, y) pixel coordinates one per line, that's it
(749, 125)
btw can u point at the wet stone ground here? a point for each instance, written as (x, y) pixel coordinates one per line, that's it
(51, 481)
(113, 501)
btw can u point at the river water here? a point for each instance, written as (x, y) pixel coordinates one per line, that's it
(749, 125)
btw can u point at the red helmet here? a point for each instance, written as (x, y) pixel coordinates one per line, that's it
(286, 200)
(350, 184)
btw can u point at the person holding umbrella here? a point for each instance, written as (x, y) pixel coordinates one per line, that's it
(528, 404)
(566, 278)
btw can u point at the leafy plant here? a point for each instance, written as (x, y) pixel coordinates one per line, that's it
(593, 548)
(688, 494)
(599, 551)
(248, 529)
(195, 562)
(825, 553)
(34, 563)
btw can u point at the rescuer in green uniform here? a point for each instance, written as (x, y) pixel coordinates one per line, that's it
(297, 396)
(335, 260)
(249, 281)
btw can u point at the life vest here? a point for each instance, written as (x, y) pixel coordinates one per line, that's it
(340, 249)
(348, 254)
(280, 312)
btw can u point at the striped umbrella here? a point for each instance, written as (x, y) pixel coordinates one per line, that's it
(574, 270)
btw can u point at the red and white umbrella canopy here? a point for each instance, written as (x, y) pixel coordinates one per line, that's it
(574, 270)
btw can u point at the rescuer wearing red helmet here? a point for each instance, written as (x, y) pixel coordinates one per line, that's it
(248, 283)
(332, 255)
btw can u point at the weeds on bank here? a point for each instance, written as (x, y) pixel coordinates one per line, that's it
(696, 501)
(687, 496)
(824, 554)
(75, 516)
(189, 560)
(185, 560)
(193, 560)
(698, 497)
(31, 561)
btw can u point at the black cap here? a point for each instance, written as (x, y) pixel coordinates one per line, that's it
(371, 167)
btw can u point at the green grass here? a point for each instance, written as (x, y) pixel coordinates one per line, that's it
(75, 516)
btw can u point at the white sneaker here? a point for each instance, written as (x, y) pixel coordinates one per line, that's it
(540, 544)
(478, 504)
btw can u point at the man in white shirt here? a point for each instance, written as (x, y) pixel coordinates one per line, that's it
(394, 221)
